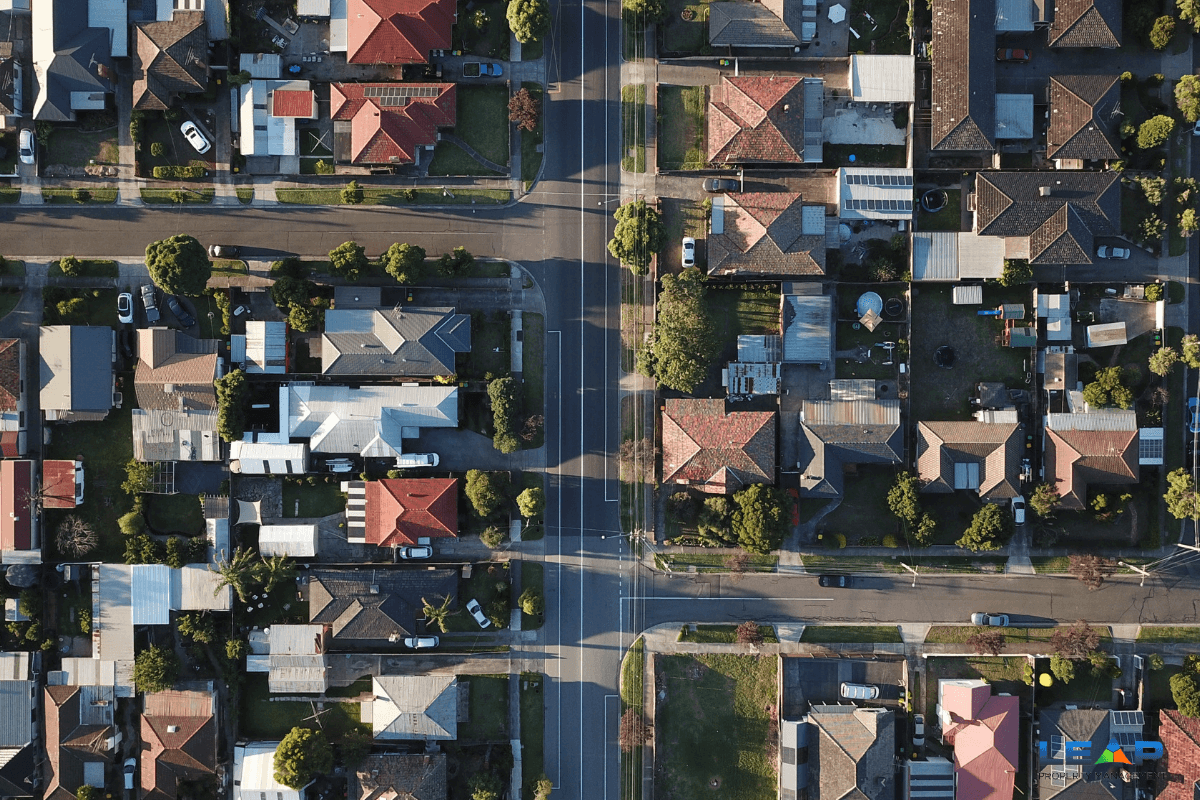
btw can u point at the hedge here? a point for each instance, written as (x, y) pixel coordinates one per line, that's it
(176, 173)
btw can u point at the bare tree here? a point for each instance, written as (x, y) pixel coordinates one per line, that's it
(76, 538)
(532, 425)
(987, 642)
(1076, 641)
(1091, 569)
(633, 731)
(748, 633)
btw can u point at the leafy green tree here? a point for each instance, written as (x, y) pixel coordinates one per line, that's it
(531, 502)
(644, 11)
(1182, 499)
(1162, 361)
(291, 290)
(528, 19)
(307, 316)
(1189, 12)
(683, 339)
(712, 522)
(1154, 292)
(638, 236)
(405, 262)
(355, 745)
(70, 265)
(542, 788)
(924, 532)
(502, 392)
(1161, 33)
(1189, 223)
(352, 195)
(1045, 499)
(902, 498)
(493, 536)
(176, 552)
(1062, 668)
(275, 571)
(139, 477)
(1108, 390)
(232, 393)
(302, 755)
(1017, 272)
(1154, 187)
(986, 527)
(1187, 97)
(1186, 694)
(239, 571)
(236, 649)
(484, 492)
(1155, 131)
(1190, 351)
(484, 786)
(86, 792)
(531, 602)
(760, 520)
(348, 260)
(179, 265)
(438, 615)
(198, 627)
(155, 669)
(456, 262)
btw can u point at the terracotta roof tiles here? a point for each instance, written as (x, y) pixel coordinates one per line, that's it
(391, 134)
(715, 450)
(401, 511)
(398, 31)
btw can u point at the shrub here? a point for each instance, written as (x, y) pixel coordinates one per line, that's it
(890, 540)
(352, 194)
(493, 536)
(1154, 292)
(1154, 132)
(179, 173)
(70, 265)
(157, 149)
(749, 633)
(81, 195)
(323, 167)
(1161, 33)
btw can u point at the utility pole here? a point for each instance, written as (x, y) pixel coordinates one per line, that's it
(1144, 573)
(912, 570)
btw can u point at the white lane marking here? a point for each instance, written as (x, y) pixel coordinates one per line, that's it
(558, 531)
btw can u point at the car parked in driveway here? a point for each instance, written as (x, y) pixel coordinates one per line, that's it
(195, 138)
(150, 302)
(1018, 509)
(185, 319)
(476, 611)
(1104, 251)
(989, 620)
(721, 185)
(859, 691)
(421, 642)
(25, 150)
(918, 730)
(413, 552)
(129, 771)
(1011, 54)
(689, 251)
(125, 308)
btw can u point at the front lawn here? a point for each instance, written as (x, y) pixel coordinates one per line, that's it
(864, 510)
(308, 500)
(1086, 687)
(482, 30)
(531, 157)
(1168, 634)
(850, 633)
(1003, 673)
(723, 634)
(483, 124)
(175, 513)
(75, 147)
(533, 356)
(177, 196)
(633, 128)
(100, 195)
(491, 334)
(422, 196)
(489, 709)
(89, 268)
(533, 729)
(681, 110)
(488, 582)
(715, 725)
(1158, 690)
(685, 31)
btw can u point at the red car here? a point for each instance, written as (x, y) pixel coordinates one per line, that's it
(1009, 54)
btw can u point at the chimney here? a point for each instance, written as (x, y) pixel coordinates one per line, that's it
(374, 588)
(1045, 191)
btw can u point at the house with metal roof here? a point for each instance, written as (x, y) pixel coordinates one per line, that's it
(761, 120)
(1085, 119)
(81, 738)
(73, 56)
(412, 776)
(370, 421)
(62, 483)
(293, 541)
(267, 115)
(254, 774)
(875, 193)
(1107, 334)
(76, 372)
(268, 458)
(1096, 447)
(266, 347)
(176, 418)
(758, 367)
(20, 518)
(955, 256)
(368, 608)
(179, 729)
(390, 123)
(13, 400)
(882, 79)
(766, 234)
(807, 324)
(293, 656)
(1086, 23)
(414, 707)
(19, 742)
(1062, 776)
(714, 450)
(983, 729)
(391, 31)
(981, 457)
(854, 427)
(929, 779)
(405, 341)
(169, 58)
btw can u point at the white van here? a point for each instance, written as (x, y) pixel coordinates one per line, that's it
(859, 691)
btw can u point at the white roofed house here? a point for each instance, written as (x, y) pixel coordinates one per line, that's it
(412, 707)
(267, 115)
(254, 774)
(369, 421)
(293, 656)
(294, 541)
(177, 415)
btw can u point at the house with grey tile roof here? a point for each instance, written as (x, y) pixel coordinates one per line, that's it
(851, 752)
(76, 372)
(1085, 118)
(405, 341)
(771, 24)
(982, 457)
(1086, 23)
(369, 421)
(1060, 777)
(392, 776)
(1048, 218)
(963, 116)
(169, 58)
(854, 427)
(765, 234)
(415, 707)
(72, 61)
(368, 608)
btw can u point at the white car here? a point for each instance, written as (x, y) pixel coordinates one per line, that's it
(125, 308)
(416, 552)
(1018, 509)
(421, 642)
(78, 483)
(340, 465)
(918, 730)
(26, 146)
(989, 620)
(689, 251)
(477, 612)
(195, 137)
(1104, 251)
(130, 770)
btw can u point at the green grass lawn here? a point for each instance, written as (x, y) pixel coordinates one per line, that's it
(8, 301)
(744, 311)
(9, 196)
(723, 634)
(864, 506)
(1003, 673)
(489, 709)
(92, 268)
(484, 585)
(318, 500)
(533, 729)
(715, 724)
(1087, 687)
(101, 194)
(532, 577)
(888, 34)
(482, 124)
(1135, 208)
(633, 128)
(865, 155)
(851, 633)
(632, 677)
(710, 562)
(175, 513)
(1168, 634)
(262, 717)
(245, 196)
(633, 40)
(686, 36)
(167, 196)
(77, 148)
(948, 219)
(425, 196)
(531, 159)
(8, 164)
(227, 266)
(1158, 690)
(958, 634)
(533, 363)
(489, 331)
(71, 601)
(681, 133)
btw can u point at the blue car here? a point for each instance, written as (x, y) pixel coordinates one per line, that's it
(1194, 413)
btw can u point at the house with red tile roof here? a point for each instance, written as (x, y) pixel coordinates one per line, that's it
(62, 483)
(12, 398)
(389, 123)
(716, 451)
(398, 31)
(20, 522)
(1180, 737)
(766, 120)
(983, 730)
(399, 511)
(81, 739)
(179, 741)
(1097, 447)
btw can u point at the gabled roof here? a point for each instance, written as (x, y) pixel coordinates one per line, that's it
(963, 453)
(76, 368)
(409, 340)
(983, 731)
(1088, 782)
(10, 374)
(388, 129)
(374, 605)
(371, 421)
(79, 738)
(400, 511)
(392, 776)
(397, 31)
(1086, 23)
(964, 75)
(1180, 737)
(834, 433)
(1060, 213)
(58, 484)
(175, 371)
(747, 24)
(8, 78)
(717, 451)
(1084, 115)
(72, 63)
(169, 58)
(855, 748)
(294, 103)
(768, 233)
(765, 120)
(179, 741)
(16, 508)
(415, 707)
(1076, 458)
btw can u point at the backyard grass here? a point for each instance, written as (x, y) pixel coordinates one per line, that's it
(425, 196)
(722, 634)
(532, 577)
(77, 148)
(715, 724)
(489, 708)
(1168, 634)
(90, 268)
(948, 219)
(735, 312)
(533, 350)
(681, 110)
(888, 34)
(175, 513)
(633, 128)
(304, 500)
(531, 157)
(264, 717)
(850, 633)
(865, 155)
(168, 196)
(686, 36)
(245, 196)
(533, 730)
(1087, 687)
(101, 194)
(71, 601)
(482, 124)
(979, 355)
(712, 562)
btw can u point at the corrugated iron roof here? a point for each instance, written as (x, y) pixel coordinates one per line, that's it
(935, 256)
(266, 347)
(150, 596)
(807, 334)
(882, 79)
(295, 541)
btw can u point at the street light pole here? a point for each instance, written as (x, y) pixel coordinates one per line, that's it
(912, 570)
(1144, 573)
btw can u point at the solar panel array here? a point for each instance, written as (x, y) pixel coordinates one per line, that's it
(874, 204)
(400, 90)
(879, 180)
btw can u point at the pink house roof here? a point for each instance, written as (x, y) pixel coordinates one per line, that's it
(983, 731)
(293, 103)
(397, 31)
(383, 134)
(16, 505)
(1180, 737)
(715, 450)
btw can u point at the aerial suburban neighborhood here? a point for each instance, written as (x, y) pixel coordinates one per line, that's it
(654, 400)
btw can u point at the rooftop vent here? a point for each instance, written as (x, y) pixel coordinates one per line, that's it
(1045, 191)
